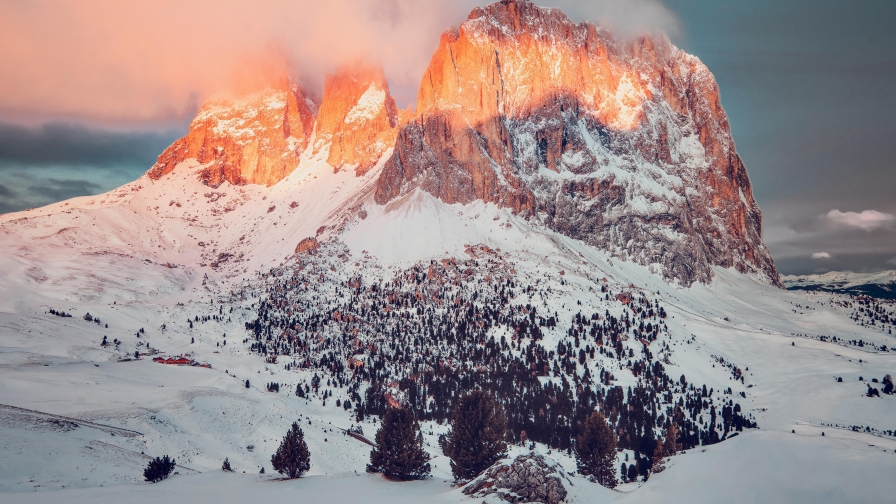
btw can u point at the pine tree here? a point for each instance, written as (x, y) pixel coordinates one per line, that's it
(158, 469)
(596, 450)
(888, 384)
(476, 440)
(671, 447)
(292, 457)
(657, 459)
(226, 465)
(632, 473)
(399, 450)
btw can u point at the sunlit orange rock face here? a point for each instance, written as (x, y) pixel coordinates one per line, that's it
(623, 145)
(358, 119)
(251, 140)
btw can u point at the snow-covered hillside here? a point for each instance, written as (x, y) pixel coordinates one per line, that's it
(133, 259)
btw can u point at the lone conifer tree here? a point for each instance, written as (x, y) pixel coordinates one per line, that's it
(399, 447)
(596, 450)
(158, 469)
(292, 457)
(476, 440)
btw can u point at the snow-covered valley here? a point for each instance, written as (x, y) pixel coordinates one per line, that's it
(144, 266)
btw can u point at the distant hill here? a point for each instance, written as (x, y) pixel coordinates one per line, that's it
(880, 285)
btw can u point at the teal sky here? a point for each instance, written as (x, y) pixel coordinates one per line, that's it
(808, 87)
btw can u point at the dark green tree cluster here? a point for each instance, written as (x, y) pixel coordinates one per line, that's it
(399, 453)
(596, 450)
(429, 328)
(158, 469)
(292, 457)
(476, 440)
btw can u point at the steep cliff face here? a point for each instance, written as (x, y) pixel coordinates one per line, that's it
(252, 140)
(258, 139)
(622, 145)
(358, 119)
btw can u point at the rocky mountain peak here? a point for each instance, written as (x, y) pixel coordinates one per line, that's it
(622, 144)
(255, 139)
(358, 118)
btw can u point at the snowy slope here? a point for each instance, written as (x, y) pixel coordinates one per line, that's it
(94, 259)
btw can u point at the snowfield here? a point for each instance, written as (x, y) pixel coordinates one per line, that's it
(168, 257)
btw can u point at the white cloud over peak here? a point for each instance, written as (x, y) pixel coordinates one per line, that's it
(866, 219)
(821, 255)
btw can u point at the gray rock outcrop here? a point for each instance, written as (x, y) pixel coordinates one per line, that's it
(529, 478)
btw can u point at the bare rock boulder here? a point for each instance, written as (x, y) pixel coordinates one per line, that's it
(308, 246)
(529, 478)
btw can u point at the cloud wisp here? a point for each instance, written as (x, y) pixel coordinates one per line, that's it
(155, 62)
(625, 18)
(821, 255)
(22, 190)
(867, 220)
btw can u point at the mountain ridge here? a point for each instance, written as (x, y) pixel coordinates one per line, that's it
(878, 285)
(622, 145)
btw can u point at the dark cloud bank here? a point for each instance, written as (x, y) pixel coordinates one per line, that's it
(58, 161)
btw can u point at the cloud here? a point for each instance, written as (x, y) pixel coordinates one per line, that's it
(77, 145)
(6, 192)
(799, 231)
(57, 161)
(21, 190)
(154, 62)
(625, 18)
(54, 189)
(866, 219)
(821, 255)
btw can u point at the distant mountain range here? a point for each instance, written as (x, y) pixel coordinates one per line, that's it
(880, 285)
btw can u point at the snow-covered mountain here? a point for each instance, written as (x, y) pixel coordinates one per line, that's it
(879, 285)
(563, 221)
(624, 146)
(255, 139)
